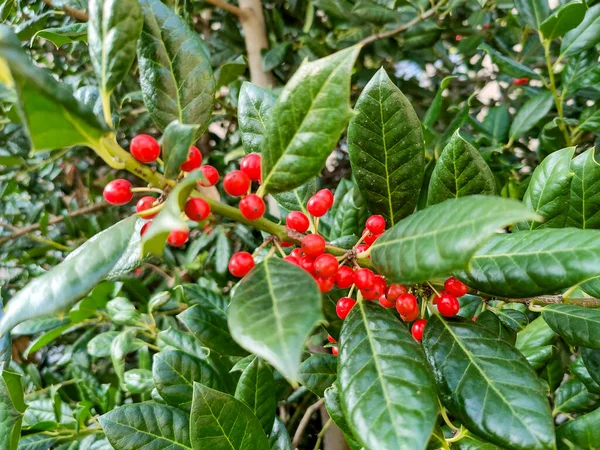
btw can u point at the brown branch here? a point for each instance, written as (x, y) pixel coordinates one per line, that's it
(255, 37)
(588, 302)
(71, 12)
(305, 421)
(400, 29)
(54, 220)
(227, 7)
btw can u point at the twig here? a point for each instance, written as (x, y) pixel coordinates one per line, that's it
(588, 302)
(227, 7)
(71, 12)
(305, 421)
(386, 34)
(322, 433)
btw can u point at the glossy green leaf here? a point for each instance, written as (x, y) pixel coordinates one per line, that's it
(590, 117)
(533, 12)
(174, 339)
(581, 372)
(585, 36)
(306, 121)
(254, 107)
(59, 36)
(99, 345)
(12, 408)
(512, 319)
(231, 71)
(491, 321)
(509, 66)
(175, 372)
(581, 71)
(564, 19)
(59, 288)
(577, 325)
(488, 385)
(539, 357)
(266, 318)
(318, 372)
(220, 421)
(175, 71)
(296, 199)
(573, 397)
(531, 263)
(591, 359)
(147, 425)
(256, 389)
(433, 112)
(535, 335)
(350, 216)
(383, 375)
(497, 123)
(460, 171)
(138, 381)
(53, 118)
(113, 30)
(222, 252)
(580, 433)
(584, 202)
(121, 345)
(386, 149)
(534, 110)
(176, 143)
(548, 192)
(449, 233)
(279, 438)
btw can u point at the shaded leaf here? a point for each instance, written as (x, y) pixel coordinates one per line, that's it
(580, 433)
(176, 143)
(575, 324)
(254, 106)
(509, 66)
(585, 36)
(564, 19)
(534, 110)
(573, 397)
(584, 200)
(256, 389)
(318, 372)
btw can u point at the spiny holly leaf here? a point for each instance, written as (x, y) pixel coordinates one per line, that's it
(266, 317)
(306, 121)
(256, 389)
(59, 288)
(12, 408)
(449, 233)
(386, 149)
(531, 263)
(175, 72)
(460, 171)
(254, 107)
(575, 324)
(488, 385)
(584, 200)
(383, 375)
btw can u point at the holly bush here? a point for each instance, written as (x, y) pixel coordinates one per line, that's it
(364, 224)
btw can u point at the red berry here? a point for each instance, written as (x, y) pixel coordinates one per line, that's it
(251, 166)
(520, 81)
(118, 192)
(406, 304)
(313, 245)
(376, 224)
(378, 289)
(331, 339)
(326, 195)
(343, 306)
(287, 244)
(252, 207)
(383, 301)
(369, 294)
(177, 238)
(211, 176)
(455, 287)
(236, 183)
(193, 161)
(326, 265)
(370, 238)
(362, 248)
(317, 206)
(364, 278)
(458, 38)
(297, 221)
(325, 284)
(344, 278)
(296, 253)
(144, 148)
(197, 209)
(308, 264)
(145, 227)
(240, 264)
(292, 260)
(411, 316)
(394, 291)
(448, 305)
(145, 203)
(335, 351)
(417, 329)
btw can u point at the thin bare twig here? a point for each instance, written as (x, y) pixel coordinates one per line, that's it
(71, 12)
(400, 29)
(305, 421)
(588, 302)
(227, 7)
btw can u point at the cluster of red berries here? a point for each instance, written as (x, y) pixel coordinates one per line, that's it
(238, 183)
(520, 81)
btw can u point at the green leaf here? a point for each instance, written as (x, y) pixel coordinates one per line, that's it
(548, 192)
(581, 71)
(564, 19)
(175, 72)
(470, 443)
(222, 252)
(591, 359)
(540, 356)
(121, 345)
(334, 408)
(535, 335)
(318, 372)
(296, 199)
(585, 36)
(279, 439)
(59, 288)
(488, 385)
(275, 56)
(509, 66)
(531, 263)
(512, 319)
(147, 425)
(179, 340)
(580, 433)
(533, 12)
(386, 149)
(350, 216)
(491, 321)
(433, 112)
(53, 118)
(581, 372)
(231, 71)
(220, 421)
(256, 389)
(254, 107)
(373, 12)
(460, 171)
(175, 372)
(573, 397)
(266, 318)
(138, 381)
(590, 117)
(177, 140)
(534, 110)
(497, 122)
(382, 373)
(575, 324)
(113, 30)
(169, 218)
(306, 121)
(12, 408)
(449, 233)
(99, 345)
(76, 32)
(5, 345)
(584, 202)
